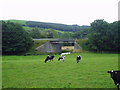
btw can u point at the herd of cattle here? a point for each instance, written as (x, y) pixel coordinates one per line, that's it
(115, 75)
(62, 57)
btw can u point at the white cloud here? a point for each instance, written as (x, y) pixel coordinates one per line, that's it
(60, 11)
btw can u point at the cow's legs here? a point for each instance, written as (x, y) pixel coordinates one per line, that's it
(46, 60)
(118, 86)
(77, 61)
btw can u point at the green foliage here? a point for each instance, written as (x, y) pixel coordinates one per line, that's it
(21, 22)
(61, 27)
(55, 26)
(15, 40)
(32, 72)
(82, 34)
(27, 28)
(35, 33)
(38, 43)
(67, 35)
(52, 30)
(104, 36)
(83, 43)
(50, 33)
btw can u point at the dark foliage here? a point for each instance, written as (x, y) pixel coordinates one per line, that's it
(15, 40)
(82, 34)
(104, 36)
(61, 27)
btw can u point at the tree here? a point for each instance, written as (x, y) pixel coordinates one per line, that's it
(15, 40)
(104, 36)
(56, 26)
(114, 39)
(83, 33)
(49, 34)
(35, 33)
(98, 34)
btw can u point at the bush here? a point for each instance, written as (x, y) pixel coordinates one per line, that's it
(83, 43)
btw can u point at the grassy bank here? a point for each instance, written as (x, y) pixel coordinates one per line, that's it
(36, 44)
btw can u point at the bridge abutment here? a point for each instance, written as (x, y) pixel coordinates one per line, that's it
(56, 45)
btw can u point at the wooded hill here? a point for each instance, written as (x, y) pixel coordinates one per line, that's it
(61, 27)
(56, 26)
(39, 30)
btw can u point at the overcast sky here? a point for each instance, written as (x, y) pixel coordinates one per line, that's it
(81, 12)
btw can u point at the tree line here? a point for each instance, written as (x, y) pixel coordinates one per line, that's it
(61, 27)
(100, 36)
(15, 40)
(104, 36)
(38, 33)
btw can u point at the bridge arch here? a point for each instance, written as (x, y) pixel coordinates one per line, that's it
(55, 45)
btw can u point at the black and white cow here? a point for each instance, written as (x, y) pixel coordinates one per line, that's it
(49, 58)
(78, 58)
(61, 58)
(115, 75)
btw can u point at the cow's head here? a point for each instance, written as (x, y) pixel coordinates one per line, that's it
(112, 73)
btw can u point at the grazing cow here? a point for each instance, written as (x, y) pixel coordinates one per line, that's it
(115, 75)
(49, 58)
(61, 58)
(78, 58)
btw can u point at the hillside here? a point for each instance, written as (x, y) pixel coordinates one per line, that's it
(45, 25)
(39, 30)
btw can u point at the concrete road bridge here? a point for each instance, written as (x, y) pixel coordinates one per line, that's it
(55, 45)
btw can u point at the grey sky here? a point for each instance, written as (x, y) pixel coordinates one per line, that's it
(81, 12)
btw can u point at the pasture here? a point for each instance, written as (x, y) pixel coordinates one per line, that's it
(32, 72)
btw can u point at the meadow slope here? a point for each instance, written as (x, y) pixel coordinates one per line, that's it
(32, 72)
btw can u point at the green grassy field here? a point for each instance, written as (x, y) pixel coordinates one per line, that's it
(32, 72)
(22, 22)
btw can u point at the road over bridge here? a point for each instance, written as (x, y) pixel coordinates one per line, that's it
(54, 45)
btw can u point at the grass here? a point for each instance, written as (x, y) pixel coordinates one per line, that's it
(27, 28)
(38, 43)
(32, 72)
(22, 22)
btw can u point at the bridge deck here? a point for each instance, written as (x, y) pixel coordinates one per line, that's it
(58, 40)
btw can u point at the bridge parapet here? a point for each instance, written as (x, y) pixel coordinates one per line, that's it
(62, 41)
